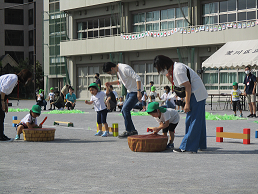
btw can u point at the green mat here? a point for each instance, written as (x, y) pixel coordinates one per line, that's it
(216, 117)
(49, 112)
(138, 113)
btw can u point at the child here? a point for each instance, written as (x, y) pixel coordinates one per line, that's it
(167, 118)
(59, 101)
(97, 99)
(29, 121)
(40, 99)
(180, 102)
(152, 94)
(70, 99)
(51, 98)
(120, 103)
(144, 98)
(235, 98)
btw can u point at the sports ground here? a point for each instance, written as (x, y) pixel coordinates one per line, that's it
(79, 162)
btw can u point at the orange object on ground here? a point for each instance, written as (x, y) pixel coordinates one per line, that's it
(147, 143)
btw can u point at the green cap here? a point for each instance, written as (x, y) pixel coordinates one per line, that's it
(235, 83)
(51, 88)
(155, 105)
(36, 109)
(153, 88)
(93, 85)
(40, 91)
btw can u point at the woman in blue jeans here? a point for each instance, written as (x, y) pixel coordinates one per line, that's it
(181, 75)
(132, 82)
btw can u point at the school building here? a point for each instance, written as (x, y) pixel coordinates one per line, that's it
(80, 35)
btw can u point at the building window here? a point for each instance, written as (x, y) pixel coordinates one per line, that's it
(14, 1)
(14, 16)
(98, 27)
(54, 7)
(17, 56)
(30, 16)
(229, 11)
(14, 38)
(166, 19)
(31, 38)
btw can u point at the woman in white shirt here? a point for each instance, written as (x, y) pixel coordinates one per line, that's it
(167, 98)
(7, 84)
(196, 94)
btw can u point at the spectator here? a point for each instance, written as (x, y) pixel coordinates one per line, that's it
(250, 91)
(111, 100)
(98, 80)
(65, 91)
(70, 99)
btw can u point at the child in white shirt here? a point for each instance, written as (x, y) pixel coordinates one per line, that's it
(235, 100)
(51, 98)
(97, 99)
(152, 95)
(167, 118)
(29, 121)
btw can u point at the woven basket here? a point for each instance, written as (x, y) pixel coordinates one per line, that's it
(147, 143)
(39, 134)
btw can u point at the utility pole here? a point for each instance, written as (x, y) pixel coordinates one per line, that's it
(34, 43)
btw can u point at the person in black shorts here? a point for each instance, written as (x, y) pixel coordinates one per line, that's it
(235, 100)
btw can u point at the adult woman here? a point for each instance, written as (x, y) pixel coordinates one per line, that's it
(7, 83)
(196, 94)
(168, 100)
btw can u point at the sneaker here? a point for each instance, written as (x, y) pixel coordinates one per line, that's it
(251, 115)
(105, 134)
(17, 137)
(183, 151)
(241, 115)
(134, 132)
(182, 111)
(170, 146)
(178, 111)
(99, 133)
(50, 109)
(125, 134)
(6, 139)
(235, 115)
(254, 116)
(143, 110)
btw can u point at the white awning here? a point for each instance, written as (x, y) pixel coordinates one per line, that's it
(234, 54)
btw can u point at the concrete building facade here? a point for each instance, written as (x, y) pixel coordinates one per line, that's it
(188, 31)
(17, 26)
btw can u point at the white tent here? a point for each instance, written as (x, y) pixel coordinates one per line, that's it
(234, 54)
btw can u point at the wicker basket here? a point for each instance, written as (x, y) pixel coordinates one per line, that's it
(147, 143)
(39, 134)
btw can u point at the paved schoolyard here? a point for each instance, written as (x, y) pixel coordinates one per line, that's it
(78, 162)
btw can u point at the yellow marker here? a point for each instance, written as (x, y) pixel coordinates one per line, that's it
(115, 127)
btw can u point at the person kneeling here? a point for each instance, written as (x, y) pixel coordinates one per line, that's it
(29, 121)
(59, 101)
(167, 118)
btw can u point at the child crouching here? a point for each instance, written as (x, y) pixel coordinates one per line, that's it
(97, 99)
(167, 118)
(29, 121)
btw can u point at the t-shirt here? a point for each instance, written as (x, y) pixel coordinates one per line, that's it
(171, 115)
(115, 93)
(143, 96)
(128, 77)
(120, 103)
(235, 94)
(98, 82)
(98, 101)
(113, 97)
(51, 96)
(28, 119)
(165, 96)
(152, 96)
(40, 97)
(70, 97)
(7, 83)
(249, 83)
(197, 86)
(65, 90)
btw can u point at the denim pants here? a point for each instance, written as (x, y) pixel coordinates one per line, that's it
(195, 127)
(168, 104)
(2, 116)
(130, 101)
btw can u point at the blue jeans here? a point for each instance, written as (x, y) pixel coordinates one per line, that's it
(168, 104)
(130, 101)
(195, 127)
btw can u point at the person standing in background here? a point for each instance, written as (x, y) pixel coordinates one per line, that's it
(98, 80)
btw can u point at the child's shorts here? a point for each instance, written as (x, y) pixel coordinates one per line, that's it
(102, 116)
(171, 127)
(25, 126)
(143, 103)
(236, 104)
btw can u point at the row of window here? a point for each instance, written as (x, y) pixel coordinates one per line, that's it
(16, 16)
(229, 11)
(16, 37)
